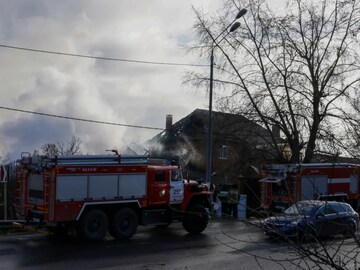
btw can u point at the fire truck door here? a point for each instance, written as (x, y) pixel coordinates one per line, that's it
(313, 186)
(159, 188)
(176, 187)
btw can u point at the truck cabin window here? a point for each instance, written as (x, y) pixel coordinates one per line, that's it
(159, 176)
(176, 176)
(280, 189)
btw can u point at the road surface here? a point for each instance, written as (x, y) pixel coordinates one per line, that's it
(225, 244)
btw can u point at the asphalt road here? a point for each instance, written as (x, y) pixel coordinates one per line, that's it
(225, 244)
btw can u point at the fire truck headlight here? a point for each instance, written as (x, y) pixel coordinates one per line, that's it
(162, 193)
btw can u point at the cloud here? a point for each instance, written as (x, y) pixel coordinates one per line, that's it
(119, 92)
(29, 133)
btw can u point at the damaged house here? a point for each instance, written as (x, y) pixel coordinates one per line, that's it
(238, 144)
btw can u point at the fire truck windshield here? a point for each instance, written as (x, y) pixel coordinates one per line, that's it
(176, 176)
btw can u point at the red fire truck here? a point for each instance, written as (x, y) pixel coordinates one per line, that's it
(284, 185)
(96, 194)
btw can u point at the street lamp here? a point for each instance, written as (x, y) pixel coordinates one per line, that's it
(234, 26)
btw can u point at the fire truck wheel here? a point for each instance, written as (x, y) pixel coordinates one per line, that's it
(124, 224)
(93, 225)
(196, 219)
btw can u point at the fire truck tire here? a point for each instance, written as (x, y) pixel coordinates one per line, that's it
(196, 219)
(93, 225)
(124, 224)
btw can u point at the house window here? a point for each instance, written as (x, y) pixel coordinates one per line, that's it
(224, 152)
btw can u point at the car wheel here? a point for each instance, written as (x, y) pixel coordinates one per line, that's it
(307, 234)
(351, 230)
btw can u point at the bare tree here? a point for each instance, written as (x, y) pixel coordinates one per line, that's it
(350, 135)
(71, 148)
(50, 149)
(296, 69)
(305, 246)
(309, 249)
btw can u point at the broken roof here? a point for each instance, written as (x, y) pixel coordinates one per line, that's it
(231, 126)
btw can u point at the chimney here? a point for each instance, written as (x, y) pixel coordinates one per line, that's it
(168, 124)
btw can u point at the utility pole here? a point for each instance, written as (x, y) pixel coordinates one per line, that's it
(234, 26)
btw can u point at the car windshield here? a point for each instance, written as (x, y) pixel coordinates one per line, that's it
(302, 208)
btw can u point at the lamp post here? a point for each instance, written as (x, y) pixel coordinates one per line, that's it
(234, 26)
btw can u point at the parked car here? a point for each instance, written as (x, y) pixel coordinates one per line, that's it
(313, 219)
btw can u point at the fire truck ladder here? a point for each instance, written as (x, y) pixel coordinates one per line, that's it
(96, 159)
(53, 160)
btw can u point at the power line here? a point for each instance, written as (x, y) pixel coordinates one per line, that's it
(79, 119)
(102, 58)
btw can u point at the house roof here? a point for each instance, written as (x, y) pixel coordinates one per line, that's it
(226, 125)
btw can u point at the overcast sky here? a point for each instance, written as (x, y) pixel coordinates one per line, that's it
(109, 91)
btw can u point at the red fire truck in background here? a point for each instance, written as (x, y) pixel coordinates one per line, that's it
(96, 194)
(284, 185)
